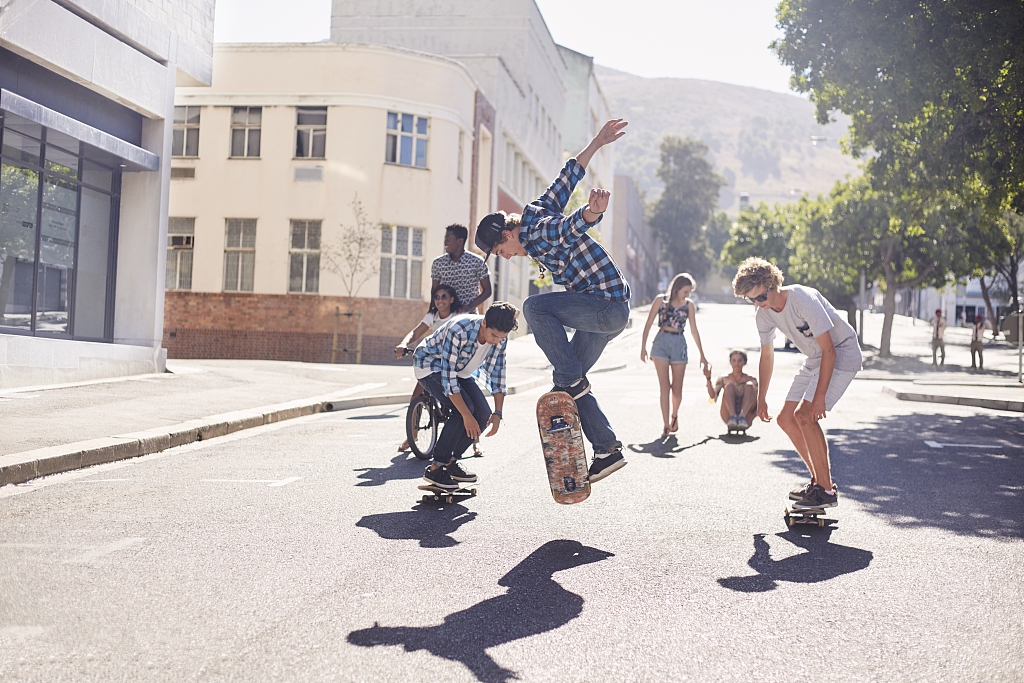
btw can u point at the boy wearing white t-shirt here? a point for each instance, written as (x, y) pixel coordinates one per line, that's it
(834, 358)
(444, 364)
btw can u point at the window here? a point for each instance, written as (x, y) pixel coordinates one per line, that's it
(406, 140)
(180, 235)
(239, 254)
(311, 133)
(185, 138)
(245, 131)
(304, 269)
(401, 262)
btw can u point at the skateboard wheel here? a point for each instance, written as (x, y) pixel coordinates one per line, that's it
(448, 500)
(821, 523)
(425, 498)
(472, 492)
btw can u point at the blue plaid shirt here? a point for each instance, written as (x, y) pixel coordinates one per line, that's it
(561, 244)
(450, 348)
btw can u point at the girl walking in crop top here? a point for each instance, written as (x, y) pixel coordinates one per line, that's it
(668, 351)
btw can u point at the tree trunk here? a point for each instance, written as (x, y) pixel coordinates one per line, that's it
(851, 316)
(889, 307)
(991, 311)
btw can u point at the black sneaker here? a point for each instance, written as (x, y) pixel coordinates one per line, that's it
(606, 463)
(818, 497)
(458, 474)
(440, 478)
(580, 387)
(800, 492)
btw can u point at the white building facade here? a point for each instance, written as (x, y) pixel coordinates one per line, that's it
(86, 111)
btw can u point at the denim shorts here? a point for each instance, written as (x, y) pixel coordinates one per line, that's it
(670, 347)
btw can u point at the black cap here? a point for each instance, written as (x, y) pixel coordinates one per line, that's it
(488, 232)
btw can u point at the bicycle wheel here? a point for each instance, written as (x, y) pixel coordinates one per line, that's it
(421, 426)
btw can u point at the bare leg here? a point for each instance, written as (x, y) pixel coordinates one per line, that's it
(728, 402)
(661, 365)
(817, 445)
(748, 408)
(787, 420)
(678, 371)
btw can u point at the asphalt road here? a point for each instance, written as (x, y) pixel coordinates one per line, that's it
(299, 552)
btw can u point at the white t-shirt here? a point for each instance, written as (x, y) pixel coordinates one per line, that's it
(434, 321)
(807, 315)
(474, 362)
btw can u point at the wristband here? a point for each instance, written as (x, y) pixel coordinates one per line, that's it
(498, 413)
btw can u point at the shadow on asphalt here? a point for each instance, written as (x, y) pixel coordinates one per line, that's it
(405, 465)
(821, 562)
(534, 604)
(668, 447)
(429, 523)
(973, 486)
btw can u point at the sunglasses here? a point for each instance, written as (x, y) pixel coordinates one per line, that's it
(757, 299)
(441, 297)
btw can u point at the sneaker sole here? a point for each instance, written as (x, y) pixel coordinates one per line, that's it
(446, 487)
(608, 470)
(798, 506)
(465, 481)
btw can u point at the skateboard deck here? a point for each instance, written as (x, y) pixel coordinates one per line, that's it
(733, 429)
(438, 494)
(562, 441)
(812, 516)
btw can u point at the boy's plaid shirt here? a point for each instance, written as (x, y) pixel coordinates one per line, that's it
(561, 243)
(450, 348)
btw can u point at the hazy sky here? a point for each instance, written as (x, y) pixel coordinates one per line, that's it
(724, 40)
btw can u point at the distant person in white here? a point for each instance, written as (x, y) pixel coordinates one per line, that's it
(833, 360)
(938, 330)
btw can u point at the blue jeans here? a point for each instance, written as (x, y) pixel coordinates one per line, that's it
(597, 321)
(453, 442)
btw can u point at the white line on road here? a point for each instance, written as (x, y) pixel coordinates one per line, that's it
(936, 444)
(268, 482)
(101, 551)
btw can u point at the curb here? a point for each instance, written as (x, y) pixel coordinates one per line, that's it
(990, 403)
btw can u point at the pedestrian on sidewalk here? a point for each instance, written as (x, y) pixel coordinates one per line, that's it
(739, 392)
(444, 364)
(463, 270)
(978, 342)
(833, 359)
(938, 330)
(444, 303)
(668, 353)
(595, 302)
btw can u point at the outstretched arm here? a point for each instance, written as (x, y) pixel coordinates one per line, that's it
(610, 132)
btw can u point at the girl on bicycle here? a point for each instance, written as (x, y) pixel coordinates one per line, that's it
(668, 351)
(444, 303)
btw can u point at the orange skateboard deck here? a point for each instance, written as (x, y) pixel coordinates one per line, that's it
(564, 453)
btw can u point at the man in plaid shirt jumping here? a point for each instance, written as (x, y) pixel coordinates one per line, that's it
(595, 302)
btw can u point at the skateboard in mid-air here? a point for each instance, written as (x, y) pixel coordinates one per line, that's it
(812, 516)
(562, 440)
(440, 495)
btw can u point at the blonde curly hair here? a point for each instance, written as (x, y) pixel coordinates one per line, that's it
(756, 272)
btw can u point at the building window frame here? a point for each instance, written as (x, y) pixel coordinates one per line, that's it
(401, 262)
(185, 133)
(406, 141)
(246, 132)
(180, 245)
(239, 254)
(304, 256)
(311, 132)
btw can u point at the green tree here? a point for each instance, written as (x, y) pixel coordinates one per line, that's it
(681, 215)
(935, 87)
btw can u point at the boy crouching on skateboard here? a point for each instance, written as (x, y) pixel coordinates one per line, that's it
(444, 364)
(833, 360)
(596, 301)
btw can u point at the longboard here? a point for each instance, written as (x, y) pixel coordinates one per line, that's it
(735, 429)
(812, 516)
(438, 494)
(565, 457)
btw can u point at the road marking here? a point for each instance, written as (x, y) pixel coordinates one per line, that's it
(104, 550)
(268, 482)
(97, 481)
(936, 444)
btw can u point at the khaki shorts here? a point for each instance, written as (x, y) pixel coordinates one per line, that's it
(806, 382)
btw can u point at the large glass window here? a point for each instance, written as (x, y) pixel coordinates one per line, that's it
(311, 133)
(185, 136)
(401, 262)
(245, 131)
(239, 254)
(304, 257)
(406, 140)
(180, 236)
(58, 216)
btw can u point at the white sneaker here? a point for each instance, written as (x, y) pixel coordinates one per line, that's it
(733, 421)
(741, 422)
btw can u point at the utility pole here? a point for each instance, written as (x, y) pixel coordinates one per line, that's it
(860, 303)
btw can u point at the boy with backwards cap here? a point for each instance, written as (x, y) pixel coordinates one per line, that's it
(595, 302)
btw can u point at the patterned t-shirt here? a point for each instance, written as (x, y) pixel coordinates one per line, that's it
(464, 275)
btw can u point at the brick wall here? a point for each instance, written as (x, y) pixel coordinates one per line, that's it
(282, 327)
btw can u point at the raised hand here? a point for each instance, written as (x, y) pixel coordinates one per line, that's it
(611, 131)
(598, 201)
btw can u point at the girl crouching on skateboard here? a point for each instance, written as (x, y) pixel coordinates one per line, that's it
(669, 349)
(444, 364)
(444, 303)
(739, 400)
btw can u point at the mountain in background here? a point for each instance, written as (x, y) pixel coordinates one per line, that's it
(760, 141)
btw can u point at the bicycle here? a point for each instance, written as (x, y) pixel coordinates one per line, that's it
(423, 421)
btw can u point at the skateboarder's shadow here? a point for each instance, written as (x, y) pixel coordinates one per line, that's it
(403, 466)
(426, 523)
(821, 562)
(535, 603)
(665, 448)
